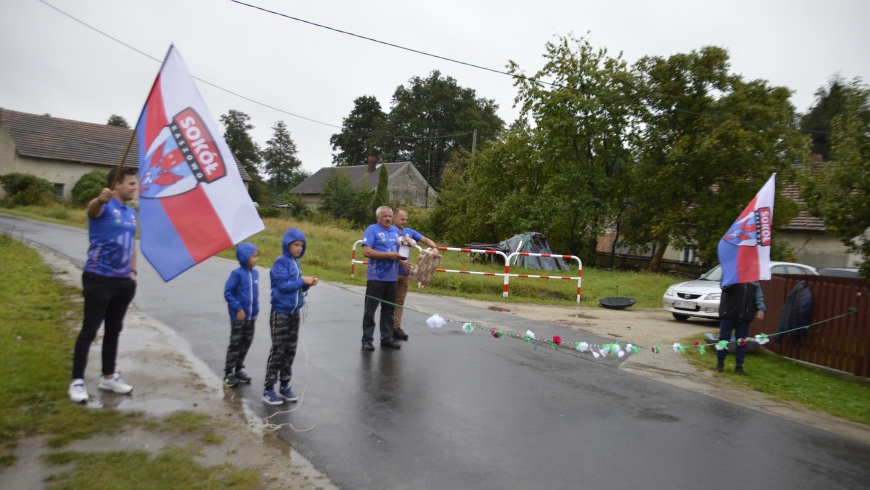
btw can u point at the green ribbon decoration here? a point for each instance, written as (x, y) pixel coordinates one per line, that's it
(681, 349)
(762, 337)
(656, 349)
(722, 345)
(468, 328)
(701, 350)
(635, 349)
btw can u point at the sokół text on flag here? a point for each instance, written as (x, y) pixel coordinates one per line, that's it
(744, 251)
(192, 201)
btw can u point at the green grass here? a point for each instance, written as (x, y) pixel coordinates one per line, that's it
(36, 339)
(815, 388)
(186, 421)
(174, 467)
(328, 256)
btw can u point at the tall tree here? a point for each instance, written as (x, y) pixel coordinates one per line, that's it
(362, 133)
(382, 192)
(433, 117)
(581, 131)
(236, 127)
(343, 200)
(695, 174)
(116, 120)
(831, 101)
(281, 163)
(841, 194)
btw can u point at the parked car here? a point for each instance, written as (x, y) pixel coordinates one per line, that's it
(701, 297)
(839, 271)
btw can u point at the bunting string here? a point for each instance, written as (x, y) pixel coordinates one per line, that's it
(618, 349)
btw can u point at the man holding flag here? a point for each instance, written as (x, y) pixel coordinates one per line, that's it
(744, 253)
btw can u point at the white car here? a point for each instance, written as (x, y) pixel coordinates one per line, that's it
(701, 297)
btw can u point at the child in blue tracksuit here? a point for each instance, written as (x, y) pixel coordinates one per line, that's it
(288, 288)
(242, 293)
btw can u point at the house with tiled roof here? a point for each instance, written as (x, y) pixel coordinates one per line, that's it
(62, 150)
(406, 184)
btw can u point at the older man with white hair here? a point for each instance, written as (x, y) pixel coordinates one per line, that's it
(380, 246)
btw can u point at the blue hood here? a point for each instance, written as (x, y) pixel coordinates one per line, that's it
(290, 236)
(244, 252)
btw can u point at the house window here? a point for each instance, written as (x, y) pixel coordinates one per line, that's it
(688, 255)
(58, 190)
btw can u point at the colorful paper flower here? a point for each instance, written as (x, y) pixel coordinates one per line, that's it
(697, 342)
(701, 350)
(436, 321)
(742, 342)
(557, 340)
(678, 348)
(497, 333)
(762, 339)
(530, 334)
(582, 346)
(620, 353)
(467, 328)
(635, 349)
(722, 345)
(656, 349)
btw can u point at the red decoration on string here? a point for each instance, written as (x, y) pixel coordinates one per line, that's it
(496, 333)
(742, 342)
(697, 342)
(557, 340)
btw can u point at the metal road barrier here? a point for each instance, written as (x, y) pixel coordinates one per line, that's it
(579, 277)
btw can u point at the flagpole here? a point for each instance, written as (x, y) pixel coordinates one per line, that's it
(124, 159)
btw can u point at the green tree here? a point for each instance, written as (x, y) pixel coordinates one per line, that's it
(281, 163)
(695, 174)
(831, 101)
(343, 200)
(841, 194)
(116, 120)
(27, 190)
(236, 128)
(89, 186)
(433, 117)
(581, 131)
(362, 133)
(382, 192)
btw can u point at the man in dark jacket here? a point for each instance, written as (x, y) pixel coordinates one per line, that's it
(739, 305)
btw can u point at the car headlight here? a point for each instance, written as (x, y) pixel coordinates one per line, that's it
(714, 296)
(670, 292)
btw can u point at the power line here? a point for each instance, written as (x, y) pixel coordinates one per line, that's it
(242, 96)
(519, 76)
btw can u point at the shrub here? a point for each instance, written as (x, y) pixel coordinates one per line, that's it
(28, 190)
(89, 186)
(269, 212)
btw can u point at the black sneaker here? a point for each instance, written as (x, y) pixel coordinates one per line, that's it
(399, 334)
(230, 380)
(368, 346)
(739, 370)
(720, 366)
(242, 376)
(391, 344)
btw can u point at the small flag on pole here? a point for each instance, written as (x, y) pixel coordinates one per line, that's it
(744, 251)
(192, 201)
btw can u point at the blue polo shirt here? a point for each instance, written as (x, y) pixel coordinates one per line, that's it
(382, 239)
(416, 236)
(113, 238)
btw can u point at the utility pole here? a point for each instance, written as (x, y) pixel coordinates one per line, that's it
(473, 147)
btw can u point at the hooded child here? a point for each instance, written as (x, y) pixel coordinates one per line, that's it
(242, 292)
(288, 297)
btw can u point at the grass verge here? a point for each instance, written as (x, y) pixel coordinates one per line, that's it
(36, 339)
(328, 257)
(173, 467)
(784, 379)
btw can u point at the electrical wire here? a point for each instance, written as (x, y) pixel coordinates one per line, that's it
(523, 77)
(248, 98)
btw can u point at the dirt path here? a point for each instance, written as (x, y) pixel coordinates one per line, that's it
(650, 326)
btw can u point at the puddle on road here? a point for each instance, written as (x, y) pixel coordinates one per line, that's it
(581, 315)
(499, 308)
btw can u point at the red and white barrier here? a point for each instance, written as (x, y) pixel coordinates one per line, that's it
(507, 268)
(554, 256)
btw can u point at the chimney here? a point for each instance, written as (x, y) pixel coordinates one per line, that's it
(373, 161)
(818, 158)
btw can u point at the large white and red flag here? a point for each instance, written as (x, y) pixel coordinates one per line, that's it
(744, 250)
(192, 200)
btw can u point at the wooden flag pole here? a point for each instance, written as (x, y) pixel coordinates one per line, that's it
(124, 159)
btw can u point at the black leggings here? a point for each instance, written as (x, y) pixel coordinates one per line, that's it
(106, 298)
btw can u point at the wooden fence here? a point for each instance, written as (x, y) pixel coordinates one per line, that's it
(640, 262)
(840, 344)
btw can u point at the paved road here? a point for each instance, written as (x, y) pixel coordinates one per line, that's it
(455, 410)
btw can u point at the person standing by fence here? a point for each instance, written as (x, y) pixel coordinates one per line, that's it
(739, 305)
(400, 219)
(379, 246)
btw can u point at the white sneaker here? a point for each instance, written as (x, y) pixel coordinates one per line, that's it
(78, 392)
(115, 384)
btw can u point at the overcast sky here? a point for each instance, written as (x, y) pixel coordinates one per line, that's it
(51, 64)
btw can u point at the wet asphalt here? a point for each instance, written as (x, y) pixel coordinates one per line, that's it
(457, 410)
